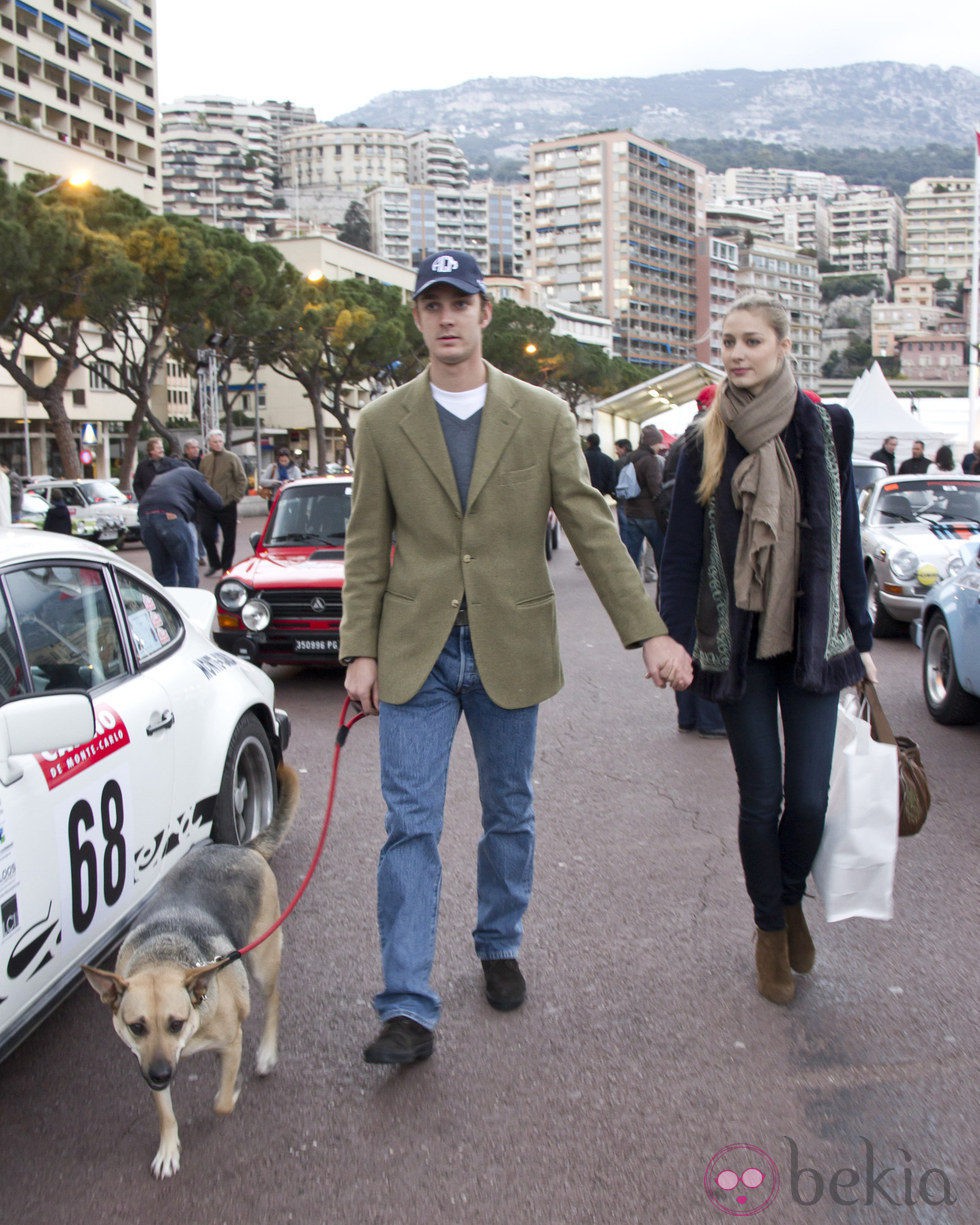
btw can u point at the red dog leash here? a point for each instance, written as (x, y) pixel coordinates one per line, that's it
(341, 739)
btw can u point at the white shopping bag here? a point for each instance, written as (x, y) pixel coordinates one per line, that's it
(855, 866)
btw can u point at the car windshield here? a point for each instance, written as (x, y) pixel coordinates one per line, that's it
(931, 500)
(103, 491)
(310, 514)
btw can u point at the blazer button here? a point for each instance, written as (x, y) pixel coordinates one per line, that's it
(466, 557)
(454, 603)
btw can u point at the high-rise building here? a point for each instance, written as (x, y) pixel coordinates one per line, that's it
(413, 221)
(742, 183)
(220, 163)
(78, 93)
(436, 159)
(613, 223)
(939, 228)
(866, 230)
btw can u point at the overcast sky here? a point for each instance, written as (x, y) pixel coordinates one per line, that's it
(338, 56)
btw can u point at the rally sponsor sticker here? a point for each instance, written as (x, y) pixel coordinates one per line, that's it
(60, 765)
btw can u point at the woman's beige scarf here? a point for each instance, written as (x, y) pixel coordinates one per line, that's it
(765, 490)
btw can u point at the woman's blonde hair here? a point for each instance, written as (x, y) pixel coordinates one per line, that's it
(713, 429)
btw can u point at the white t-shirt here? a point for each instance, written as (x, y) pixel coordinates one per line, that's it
(462, 404)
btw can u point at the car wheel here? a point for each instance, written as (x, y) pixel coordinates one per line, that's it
(883, 623)
(948, 702)
(247, 796)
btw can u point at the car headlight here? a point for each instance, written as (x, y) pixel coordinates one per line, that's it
(955, 564)
(904, 564)
(256, 614)
(231, 594)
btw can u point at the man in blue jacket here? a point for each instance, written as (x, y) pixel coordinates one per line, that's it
(168, 512)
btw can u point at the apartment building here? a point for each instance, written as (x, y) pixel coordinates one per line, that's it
(413, 221)
(78, 93)
(867, 230)
(939, 355)
(77, 98)
(939, 228)
(742, 183)
(436, 159)
(773, 268)
(613, 225)
(717, 285)
(220, 163)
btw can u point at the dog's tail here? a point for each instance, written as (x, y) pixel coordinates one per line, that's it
(269, 841)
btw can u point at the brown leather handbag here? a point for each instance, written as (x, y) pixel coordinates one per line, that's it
(913, 786)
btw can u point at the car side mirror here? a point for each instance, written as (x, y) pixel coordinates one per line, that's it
(42, 723)
(253, 539)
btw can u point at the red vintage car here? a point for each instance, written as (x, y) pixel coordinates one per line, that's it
(283, 605)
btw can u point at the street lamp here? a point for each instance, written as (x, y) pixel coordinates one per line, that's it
(77, 180)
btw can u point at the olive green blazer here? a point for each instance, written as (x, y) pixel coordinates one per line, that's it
(399, 606)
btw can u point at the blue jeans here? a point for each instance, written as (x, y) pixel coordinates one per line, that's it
(639, 529)
(172, 546)
(415, 742)
(782, 806)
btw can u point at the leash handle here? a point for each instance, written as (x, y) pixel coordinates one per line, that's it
(343, 731)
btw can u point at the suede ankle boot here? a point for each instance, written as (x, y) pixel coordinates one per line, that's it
(802, 954)
(775, 979)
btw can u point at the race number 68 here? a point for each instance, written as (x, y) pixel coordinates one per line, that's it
(84, 858)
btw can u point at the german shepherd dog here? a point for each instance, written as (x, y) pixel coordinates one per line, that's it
(167, 995)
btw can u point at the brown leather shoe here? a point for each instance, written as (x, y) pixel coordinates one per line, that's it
(400, 1041)
(802, 954)
(775, 978)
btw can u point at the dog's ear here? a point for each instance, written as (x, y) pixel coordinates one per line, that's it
(198, 980)
(108, 987)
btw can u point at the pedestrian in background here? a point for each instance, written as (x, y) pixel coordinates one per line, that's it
(886, 455)
(168, 511)
(694, 713)
(16, 491)
(602, 467)
(148, 469)
(944, 461)
(640, 511)
(460, 467)
(971, 461)
(763, 572)
(191, 453)
(622, 447)
(281, 470)
(918, 464)
(58, 517)
(223, 471)
(6, 516)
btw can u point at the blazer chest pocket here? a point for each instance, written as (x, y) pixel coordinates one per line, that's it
(519, 476)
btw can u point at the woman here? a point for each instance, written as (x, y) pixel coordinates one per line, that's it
(944, 461)
(762, 570)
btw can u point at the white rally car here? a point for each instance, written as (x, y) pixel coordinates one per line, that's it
(126, 737)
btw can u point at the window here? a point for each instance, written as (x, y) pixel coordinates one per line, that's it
(12, 681)
(153, 625)
(70, 636)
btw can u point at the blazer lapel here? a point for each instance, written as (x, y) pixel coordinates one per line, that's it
(500, 420)
(424, 433)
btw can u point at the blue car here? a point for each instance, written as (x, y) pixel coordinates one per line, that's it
(948, 633)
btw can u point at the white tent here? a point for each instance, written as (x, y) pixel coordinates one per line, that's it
(878, 413)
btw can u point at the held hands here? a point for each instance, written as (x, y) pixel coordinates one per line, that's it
(361, 683)
(870, 671)
(667, 663)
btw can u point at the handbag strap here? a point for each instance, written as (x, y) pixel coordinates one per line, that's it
(881, 729)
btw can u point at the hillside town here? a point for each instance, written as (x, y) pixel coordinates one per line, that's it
(623, 242)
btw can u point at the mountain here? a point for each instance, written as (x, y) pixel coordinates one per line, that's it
(877, 105)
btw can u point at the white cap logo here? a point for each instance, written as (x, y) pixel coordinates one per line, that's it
(445, 263)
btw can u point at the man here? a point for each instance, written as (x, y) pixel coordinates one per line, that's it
(168, 511)
(148, 469)
(16, 490)
(223, 471)
(459, 467)
(640, 511)
(191, 453)
(886, 455)
(971, 461)
(918, 464)
(602, 467)
(694, 713)
(622, 447)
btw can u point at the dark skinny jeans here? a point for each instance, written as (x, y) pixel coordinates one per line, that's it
(781, 806)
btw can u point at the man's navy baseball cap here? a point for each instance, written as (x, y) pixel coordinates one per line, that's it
(454, 268)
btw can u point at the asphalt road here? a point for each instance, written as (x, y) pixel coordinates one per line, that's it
(643, 1049)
